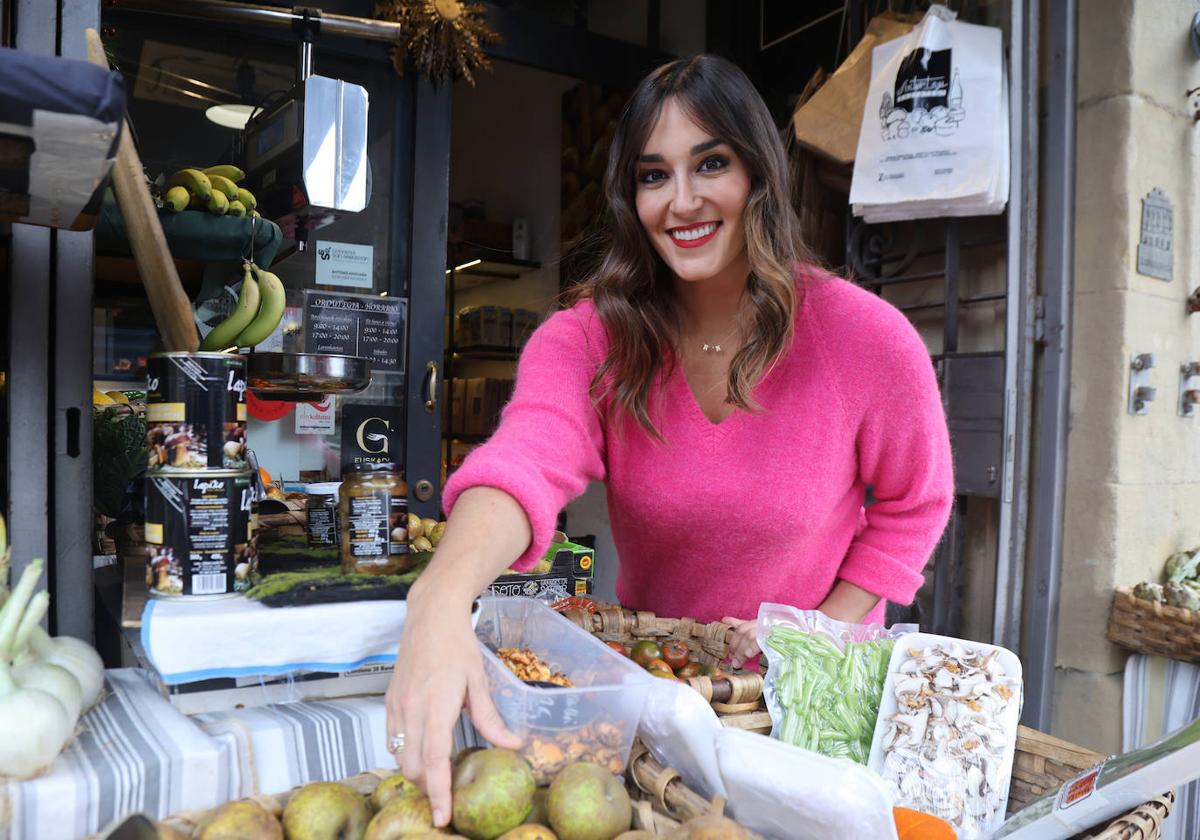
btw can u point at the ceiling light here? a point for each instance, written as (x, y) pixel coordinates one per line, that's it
(230, 116)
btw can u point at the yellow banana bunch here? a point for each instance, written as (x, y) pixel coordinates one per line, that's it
(214, 189)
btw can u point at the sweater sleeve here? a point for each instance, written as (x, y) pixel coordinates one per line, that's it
(550, 441)
(904, 456)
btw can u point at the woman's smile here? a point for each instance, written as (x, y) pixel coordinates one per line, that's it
(693, 236)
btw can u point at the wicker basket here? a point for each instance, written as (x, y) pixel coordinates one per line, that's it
(1044, 762)
(1149, 627)
(737, 700)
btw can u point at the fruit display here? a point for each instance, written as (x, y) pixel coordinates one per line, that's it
(493, 797)
(214, 190)
(260, 307)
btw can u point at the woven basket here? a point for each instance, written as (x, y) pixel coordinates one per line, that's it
(661, 799)
(1149, 627)
(738, 700)
(1044, 762)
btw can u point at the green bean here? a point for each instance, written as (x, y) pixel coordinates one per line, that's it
(828, 696)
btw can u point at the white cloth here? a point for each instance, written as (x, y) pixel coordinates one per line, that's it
(189, 641)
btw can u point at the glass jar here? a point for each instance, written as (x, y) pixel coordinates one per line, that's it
(374, 519)
(323, 529)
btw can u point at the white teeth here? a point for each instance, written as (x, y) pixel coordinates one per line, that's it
(694, 233)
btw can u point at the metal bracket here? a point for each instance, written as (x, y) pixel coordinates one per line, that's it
(1141, 392)
(1189, 388)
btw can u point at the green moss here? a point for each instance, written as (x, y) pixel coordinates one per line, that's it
(281, 584)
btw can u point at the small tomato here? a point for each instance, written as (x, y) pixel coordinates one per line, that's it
(675, 653)
(690, 669)
(618, 647)
(643, 651)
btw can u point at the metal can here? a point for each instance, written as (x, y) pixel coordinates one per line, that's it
(196, 411)
(199, 535)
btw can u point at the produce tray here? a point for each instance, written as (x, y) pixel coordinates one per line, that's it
(1043, 763)
(661, 800)
(1153, 628)
(738, 700)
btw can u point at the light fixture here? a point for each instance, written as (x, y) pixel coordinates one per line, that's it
(465, 265)
(230, 116)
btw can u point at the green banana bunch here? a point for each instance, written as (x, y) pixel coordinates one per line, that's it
(247, 198)
(236, 208)
(225, 334)
(270, 312)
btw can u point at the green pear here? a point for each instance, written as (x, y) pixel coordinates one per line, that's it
(587, 802)
(242, 819)
(538, 814)
(401, 816)
(493, 792)
(326, 811)
(394, 785)
(529, 831)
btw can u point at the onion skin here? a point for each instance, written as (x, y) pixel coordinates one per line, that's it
(34, 727)
(77, 657)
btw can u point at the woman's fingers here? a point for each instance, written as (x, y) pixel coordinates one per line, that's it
(484, 716)
(395, 719)
(743, 644)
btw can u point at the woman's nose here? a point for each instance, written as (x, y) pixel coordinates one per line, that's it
(684, 199)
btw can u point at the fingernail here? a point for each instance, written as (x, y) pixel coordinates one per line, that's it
(438, 819)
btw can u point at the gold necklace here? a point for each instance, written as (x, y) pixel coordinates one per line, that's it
(706, 347)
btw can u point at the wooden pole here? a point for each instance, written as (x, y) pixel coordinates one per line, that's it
(170, 304)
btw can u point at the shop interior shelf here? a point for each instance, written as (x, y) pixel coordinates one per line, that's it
(486, 354)
(490, 269)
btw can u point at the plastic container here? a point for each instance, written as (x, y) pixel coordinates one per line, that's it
(931, 795)
(594, 721)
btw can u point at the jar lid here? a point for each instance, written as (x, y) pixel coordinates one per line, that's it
(372, 467)
(323, 488)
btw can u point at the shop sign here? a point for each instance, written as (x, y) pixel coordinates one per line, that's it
(1156, 252)
(316, 418)
(344, 264)
(372, 434)
(356, 325)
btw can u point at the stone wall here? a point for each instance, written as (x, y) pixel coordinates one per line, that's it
(1133, 482)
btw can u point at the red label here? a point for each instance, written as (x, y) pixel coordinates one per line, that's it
(267, 409)
(1080, 789)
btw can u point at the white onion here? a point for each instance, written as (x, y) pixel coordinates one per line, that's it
(52, 679)
(76, 656)
(34, 727)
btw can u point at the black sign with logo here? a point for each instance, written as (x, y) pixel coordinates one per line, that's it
(372, 433)
(923, 80)
(356, 325)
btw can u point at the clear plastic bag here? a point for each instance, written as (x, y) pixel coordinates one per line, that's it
(824, 679)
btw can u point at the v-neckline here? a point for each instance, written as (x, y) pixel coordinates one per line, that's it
(694, 407)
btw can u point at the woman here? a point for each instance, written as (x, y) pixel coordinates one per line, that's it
(736, 402)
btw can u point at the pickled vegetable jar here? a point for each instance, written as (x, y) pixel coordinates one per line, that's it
(374, 519)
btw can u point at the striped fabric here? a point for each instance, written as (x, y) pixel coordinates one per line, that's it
(274, 748)
(135, 752)
(1160, 696)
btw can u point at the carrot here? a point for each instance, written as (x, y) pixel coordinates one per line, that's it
(914, 825)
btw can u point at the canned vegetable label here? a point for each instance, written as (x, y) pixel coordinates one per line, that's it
(199, 538)
(378, 525)
(196, 411)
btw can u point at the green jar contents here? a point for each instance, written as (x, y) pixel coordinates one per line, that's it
(374, 520)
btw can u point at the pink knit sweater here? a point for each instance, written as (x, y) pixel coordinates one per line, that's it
(761, 507)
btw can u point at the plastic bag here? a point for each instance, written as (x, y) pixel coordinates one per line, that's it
(934, 138)
(824, 679)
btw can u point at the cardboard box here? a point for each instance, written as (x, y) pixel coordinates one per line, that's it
(567, 566)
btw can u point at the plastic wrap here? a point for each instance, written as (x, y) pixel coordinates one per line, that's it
(824, 679)
(787, 793)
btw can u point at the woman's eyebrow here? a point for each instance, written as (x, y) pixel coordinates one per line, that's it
(699, 148)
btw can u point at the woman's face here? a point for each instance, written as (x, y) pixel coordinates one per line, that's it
(691, 193)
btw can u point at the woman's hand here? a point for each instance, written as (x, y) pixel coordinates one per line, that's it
(744, 643)
(439, 670)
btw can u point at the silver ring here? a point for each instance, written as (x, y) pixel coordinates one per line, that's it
(395, 743)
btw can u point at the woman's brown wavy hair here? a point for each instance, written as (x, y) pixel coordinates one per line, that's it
(632, 288)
